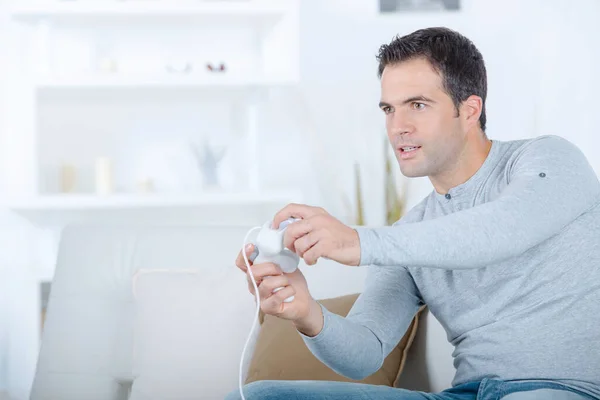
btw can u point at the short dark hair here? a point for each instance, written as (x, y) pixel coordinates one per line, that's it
(452, 55)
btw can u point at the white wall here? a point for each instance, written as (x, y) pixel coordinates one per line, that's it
(539, 55)
(569, 81)
(541, 58)
(3, 327)
(3, 264)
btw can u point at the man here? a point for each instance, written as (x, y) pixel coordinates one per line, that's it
(505, 251)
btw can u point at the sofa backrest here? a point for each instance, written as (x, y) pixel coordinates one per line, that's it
(145, 312)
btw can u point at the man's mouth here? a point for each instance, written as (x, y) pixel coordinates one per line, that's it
(408, 149)
(407, 152)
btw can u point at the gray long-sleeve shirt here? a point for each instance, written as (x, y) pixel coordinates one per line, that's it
(508, 262)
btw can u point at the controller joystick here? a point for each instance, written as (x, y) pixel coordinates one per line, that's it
(269, 246)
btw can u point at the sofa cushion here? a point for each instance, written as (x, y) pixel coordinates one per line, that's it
(189, 331)
(280, 353)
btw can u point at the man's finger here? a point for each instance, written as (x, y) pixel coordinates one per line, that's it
(295, 210)
(271, 283)
(260, 271)
(251, 253)
(306, 242)
(314, 253)
(274, 304)
(295, 231)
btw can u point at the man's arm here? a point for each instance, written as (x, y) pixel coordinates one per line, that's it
(357, 345)
(551, 184)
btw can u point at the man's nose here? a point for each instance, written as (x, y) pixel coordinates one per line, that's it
(400, 124)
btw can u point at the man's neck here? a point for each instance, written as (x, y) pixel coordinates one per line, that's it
(467, 164)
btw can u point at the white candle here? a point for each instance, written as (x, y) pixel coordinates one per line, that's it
(104, 178)
(68, 178)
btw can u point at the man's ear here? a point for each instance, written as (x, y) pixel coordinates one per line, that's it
(471, 110)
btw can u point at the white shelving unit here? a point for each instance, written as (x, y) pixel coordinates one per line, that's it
(82, 47)
(260, 10)
(206, 209)
(96, 79)
(164, 82)
(124, 201)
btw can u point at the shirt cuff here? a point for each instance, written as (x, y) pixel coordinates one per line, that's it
(368, 243)
(324, 334)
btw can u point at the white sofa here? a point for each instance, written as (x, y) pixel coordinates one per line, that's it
(151, 312)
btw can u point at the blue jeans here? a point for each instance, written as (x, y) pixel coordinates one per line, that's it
(487, 389)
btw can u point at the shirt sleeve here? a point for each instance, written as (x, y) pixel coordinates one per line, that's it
(355, 346)
(550, 184)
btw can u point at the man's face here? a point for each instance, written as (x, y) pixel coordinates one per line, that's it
(421, 119)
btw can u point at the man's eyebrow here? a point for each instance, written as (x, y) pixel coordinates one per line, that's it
(418, 98)
(409, 100)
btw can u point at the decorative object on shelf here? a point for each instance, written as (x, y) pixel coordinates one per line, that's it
(208, 159)
(397, 6)
(220, 68)
(183, 67)
(104, 176)
(394, 202)
(68, 178)
(145, 186)
(45, 288)
(108, 65)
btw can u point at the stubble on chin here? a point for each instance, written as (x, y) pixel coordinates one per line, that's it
(413, 171)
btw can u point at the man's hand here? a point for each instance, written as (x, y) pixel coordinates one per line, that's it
(318, 234)
(304, 311)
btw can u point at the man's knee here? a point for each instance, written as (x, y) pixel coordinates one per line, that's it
(313, 390)
(263, 390)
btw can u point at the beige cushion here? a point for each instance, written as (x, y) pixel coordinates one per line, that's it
(280, 353)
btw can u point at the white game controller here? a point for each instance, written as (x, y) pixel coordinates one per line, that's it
(269, 246)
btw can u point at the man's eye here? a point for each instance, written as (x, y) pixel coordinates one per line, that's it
(418, 106)
(387, 109)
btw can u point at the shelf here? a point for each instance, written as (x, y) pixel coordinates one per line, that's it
(159, 82)
(208, 208)
(117, 201)
(99, 10)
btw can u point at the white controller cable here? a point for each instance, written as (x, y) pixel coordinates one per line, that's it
(241, 384)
